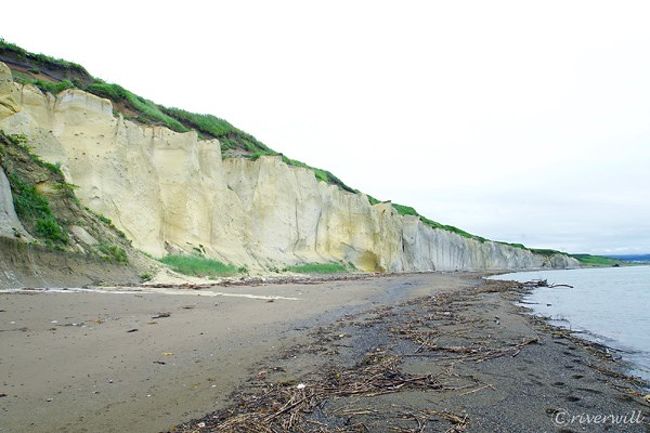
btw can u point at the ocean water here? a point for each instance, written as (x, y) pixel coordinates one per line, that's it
(608, 305)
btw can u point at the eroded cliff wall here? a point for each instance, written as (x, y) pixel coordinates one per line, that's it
(172, 191)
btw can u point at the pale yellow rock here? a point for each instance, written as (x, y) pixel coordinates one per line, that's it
(8, 103)
(83, 236)
(295, 217)
(171, 191)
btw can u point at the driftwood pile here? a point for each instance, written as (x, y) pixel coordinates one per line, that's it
(532, 284)
(296, 408)
(312, 404)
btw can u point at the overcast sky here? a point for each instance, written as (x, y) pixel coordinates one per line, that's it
(520, 121)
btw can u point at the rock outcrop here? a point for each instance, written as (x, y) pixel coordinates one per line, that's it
(10, 225)
(172, 191)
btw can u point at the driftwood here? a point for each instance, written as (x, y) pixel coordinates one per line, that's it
(316, 402)
(542, 283)
(289, 408)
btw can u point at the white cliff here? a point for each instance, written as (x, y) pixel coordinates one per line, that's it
(172, 191)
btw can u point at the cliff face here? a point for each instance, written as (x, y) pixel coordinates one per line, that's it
(290, 214)
(172, 191)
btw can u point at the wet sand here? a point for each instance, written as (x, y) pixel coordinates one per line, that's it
(410, 353)
(68, 362)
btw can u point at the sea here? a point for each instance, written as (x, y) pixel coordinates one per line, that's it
(610, 306)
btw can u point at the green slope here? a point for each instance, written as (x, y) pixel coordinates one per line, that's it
(591, 260)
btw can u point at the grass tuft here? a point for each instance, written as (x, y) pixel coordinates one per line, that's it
(49, 229)
(148, 112)
(408, 210)
(319, 268)
(41, 59)
(198, 266)
(48, 86)
(373, 201)
(212, 126)
(322, 175)
(113, 253)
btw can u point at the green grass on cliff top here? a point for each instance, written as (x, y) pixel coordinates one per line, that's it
(407, 210)
(55, 75)
(48, 74)
(591, 260)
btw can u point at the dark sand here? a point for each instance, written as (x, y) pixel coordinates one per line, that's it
(445, 355)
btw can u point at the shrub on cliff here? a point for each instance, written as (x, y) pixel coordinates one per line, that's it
(34, 210)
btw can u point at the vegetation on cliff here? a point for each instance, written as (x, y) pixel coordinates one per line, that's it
(49, 209)
(34, 211)
(407, 210)
(199, 266)
(55, 75)
(591, 260)
(319, 268)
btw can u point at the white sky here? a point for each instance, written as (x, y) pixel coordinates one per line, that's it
(521, 121)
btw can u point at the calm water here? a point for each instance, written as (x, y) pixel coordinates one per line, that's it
(608, 305)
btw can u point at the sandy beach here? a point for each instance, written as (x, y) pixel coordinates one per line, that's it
(69, 363)
(418, 352)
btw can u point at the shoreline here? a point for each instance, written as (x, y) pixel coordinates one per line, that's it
(108, 365)
(622, 367)
(291, 393)
(551, 305)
